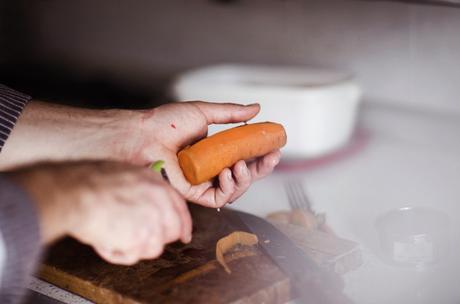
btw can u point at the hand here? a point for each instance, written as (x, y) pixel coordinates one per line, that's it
(160, 133)
(51, 132)
(125, 212)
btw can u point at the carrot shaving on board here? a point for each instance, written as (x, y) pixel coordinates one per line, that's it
(225, 244)
(302, 218)
(297, 217)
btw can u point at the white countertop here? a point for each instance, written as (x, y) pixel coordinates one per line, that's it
(411, 159)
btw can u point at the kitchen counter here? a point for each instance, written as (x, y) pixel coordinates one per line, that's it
(411, 159)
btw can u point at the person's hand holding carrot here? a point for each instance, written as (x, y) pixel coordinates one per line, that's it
(160, 133)
(59, 133)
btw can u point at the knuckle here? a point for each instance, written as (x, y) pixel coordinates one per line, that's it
(177, 229)
(155, 250)
(243, 185)
(131, 260)
(173, 230)
(243, 180)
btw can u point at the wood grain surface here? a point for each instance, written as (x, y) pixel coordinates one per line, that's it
(183, 274)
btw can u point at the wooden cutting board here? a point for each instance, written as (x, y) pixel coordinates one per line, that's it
(188, 273)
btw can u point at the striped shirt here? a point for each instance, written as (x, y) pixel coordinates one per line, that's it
(11, 105)
(19, 227)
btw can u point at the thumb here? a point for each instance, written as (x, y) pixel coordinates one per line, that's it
(221, 113)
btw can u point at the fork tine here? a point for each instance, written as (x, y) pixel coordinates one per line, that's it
(291, 195)
(296, 189)
(306, 199)
(291, 199)
(294, 200)
(303, 197)
(297, 197)
(297, 203)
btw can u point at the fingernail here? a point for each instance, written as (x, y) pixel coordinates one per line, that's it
(252, 104)
(275, 161)
(229, 175)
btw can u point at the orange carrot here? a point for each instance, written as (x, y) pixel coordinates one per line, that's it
(208, 157)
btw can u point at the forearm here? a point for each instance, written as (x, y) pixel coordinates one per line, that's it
(47, 131)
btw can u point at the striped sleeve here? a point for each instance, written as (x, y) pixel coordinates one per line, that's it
(11, 105)
(19, 242)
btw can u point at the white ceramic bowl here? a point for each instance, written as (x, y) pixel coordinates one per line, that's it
(317, 107)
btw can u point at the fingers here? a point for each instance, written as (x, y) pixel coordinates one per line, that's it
(184, 216)
(264, 166)
(244, 176)
(224, 191)
(243, 179)
(176, 176)
(228, 190)
(153, 248)
(198, 194)
(216, 197)
(170, 219)
(116, 257)
(219, 113)
(175, 222)
(135, 239)
(135, 219)
(116, 250)
(148, 245)
(175, 215)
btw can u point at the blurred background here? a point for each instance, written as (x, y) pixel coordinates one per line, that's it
(124, 54)
(395, 145)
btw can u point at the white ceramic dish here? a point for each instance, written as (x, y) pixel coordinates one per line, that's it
(317, 107)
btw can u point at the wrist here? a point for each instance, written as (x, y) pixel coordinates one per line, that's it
(122, 135)
(88, 134)
(58, 211)
(102, 135)
(131, 140)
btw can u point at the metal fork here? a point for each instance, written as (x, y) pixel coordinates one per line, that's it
(297, 197)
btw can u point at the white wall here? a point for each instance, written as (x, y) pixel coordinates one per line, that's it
(400, 52)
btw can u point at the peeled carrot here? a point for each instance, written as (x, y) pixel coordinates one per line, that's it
(208, 157)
